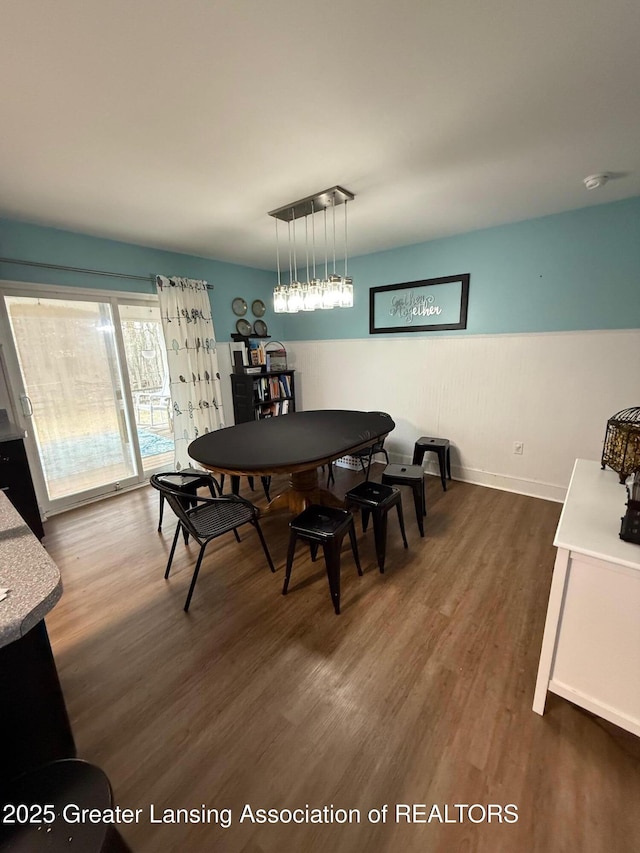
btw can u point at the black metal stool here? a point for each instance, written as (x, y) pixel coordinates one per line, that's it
(413, 476)
(72, 786)
(377, 499)
(235, 484)
(189, 485)
(442, 447)
(326, 526)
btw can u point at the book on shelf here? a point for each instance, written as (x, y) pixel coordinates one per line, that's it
(266, 389)
(285, 386)
(274, 387)
(272, 409)
(257, 352)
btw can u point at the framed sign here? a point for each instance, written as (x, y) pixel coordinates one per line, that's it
(420, 306)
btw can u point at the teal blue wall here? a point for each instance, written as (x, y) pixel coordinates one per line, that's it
(51, 246)
(570, 271)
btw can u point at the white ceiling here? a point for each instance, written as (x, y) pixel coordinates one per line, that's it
(180, 123)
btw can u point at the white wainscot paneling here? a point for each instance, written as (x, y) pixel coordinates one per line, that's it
(554, 392)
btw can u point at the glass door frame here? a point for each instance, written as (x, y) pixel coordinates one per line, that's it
(18, 393)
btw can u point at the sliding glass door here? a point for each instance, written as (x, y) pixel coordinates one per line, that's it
(146, 361)
(92, 390)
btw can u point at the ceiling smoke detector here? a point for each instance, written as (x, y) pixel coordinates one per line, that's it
(593, 182)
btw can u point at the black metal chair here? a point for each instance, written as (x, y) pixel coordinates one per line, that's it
(330, 477)
(206, 519)
(326, 526)
(188, 481)
(366, 455)
(235, 484)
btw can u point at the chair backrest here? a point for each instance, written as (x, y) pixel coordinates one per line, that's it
(168, 484)
(178, 499)
(173, 486)
(374, 448)
(377, 447)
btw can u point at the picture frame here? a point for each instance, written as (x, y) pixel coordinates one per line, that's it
(400, 307)
(239, 356)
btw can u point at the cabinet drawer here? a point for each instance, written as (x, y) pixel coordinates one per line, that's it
(16, 482)
(11, 465)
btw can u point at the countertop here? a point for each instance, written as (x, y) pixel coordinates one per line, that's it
(28, 571)
(590, 519)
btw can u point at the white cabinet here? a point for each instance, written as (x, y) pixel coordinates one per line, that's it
(591, 645)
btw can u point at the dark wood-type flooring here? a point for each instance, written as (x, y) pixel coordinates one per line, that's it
(420, 692)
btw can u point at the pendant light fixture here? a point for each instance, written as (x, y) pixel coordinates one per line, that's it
(335, 290)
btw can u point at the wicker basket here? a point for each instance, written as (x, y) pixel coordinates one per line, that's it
(350, 462)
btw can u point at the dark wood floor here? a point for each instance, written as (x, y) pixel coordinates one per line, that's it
(420, 692)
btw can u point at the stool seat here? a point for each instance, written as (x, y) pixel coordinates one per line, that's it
(377, 499)
(412, 476)
(321, 522)
(373, 494)
(326, 526)
(179, 480)
(69, 783)
(440, 446)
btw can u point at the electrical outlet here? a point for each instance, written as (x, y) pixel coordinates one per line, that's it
(518, 447)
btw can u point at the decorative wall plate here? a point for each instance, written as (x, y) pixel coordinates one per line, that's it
(258, 308)
(260, 328)
(243, 327)
(239, 307)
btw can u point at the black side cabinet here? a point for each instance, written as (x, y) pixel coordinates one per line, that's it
(33, 709)
(16, 483)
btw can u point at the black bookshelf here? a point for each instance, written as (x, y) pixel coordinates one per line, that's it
(262, 395)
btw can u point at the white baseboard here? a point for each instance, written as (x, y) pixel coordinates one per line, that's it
(503, 482)
(545, 491)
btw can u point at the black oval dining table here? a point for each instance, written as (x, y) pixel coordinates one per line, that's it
(296, 444)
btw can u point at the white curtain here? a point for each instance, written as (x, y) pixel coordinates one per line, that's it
(196, 397)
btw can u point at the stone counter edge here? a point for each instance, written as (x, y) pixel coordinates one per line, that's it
(29, 572)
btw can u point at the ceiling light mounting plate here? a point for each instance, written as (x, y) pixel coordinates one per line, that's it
(593, 182)
(312, 204)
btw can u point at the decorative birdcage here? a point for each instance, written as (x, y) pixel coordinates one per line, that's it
(277, 356)
(621, 450)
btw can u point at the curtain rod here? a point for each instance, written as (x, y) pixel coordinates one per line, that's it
(150, 279)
